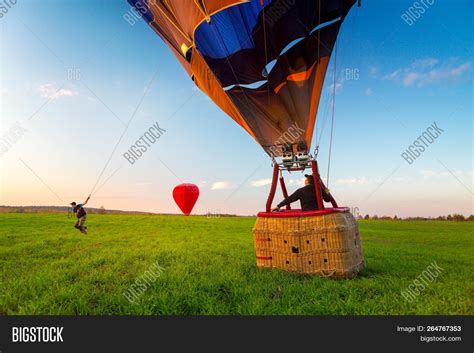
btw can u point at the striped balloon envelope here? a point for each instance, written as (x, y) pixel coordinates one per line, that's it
(263, 62)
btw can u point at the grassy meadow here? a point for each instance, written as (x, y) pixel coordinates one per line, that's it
(48, 267)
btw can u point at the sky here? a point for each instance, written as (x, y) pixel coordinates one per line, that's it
(74, 73)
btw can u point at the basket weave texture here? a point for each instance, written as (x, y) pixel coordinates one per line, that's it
(326, 245)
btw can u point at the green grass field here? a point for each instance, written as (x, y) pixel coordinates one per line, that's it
(48, 267)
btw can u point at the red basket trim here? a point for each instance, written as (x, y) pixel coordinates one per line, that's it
(299, 213)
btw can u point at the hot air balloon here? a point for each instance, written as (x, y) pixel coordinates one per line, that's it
(185, 196)
(263, 62)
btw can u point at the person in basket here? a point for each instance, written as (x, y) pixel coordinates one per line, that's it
(306, 195)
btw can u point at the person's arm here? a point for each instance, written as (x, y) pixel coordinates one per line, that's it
(326, 194)
(85, 202)
(292, 198)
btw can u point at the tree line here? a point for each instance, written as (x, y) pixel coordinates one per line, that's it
(454, 217)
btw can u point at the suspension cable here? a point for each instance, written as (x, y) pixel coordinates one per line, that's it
(328, 99)
(319, 33)
(333, 109)
(265, 45)
(349, 37)
(324, 118)
(222, 44)
(334, 93)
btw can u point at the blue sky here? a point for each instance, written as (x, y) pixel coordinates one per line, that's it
(394, 81)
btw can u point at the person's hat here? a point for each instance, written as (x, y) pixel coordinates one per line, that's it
(310, 177)
(73, 203)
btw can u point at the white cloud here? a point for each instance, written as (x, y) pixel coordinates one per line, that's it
(143, 184)
(423, 72)
(338, 87)
(296, 182)
(261, 182)
(432, 173)
(460, 69)
(410, 78)
(350, 181)
(403, 179)
(425, 63)
(425, 78)
(357, 181)
(222, 185)
(51, 92)
(393, 76)
(428, 174)
(374, 71)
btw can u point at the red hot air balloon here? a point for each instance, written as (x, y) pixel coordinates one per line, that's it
(185, 196)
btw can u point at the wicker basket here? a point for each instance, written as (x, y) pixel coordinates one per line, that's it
(324, 243)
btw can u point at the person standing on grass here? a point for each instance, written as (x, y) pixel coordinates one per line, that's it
(81, 215)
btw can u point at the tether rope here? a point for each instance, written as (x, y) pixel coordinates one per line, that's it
(123, 133)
